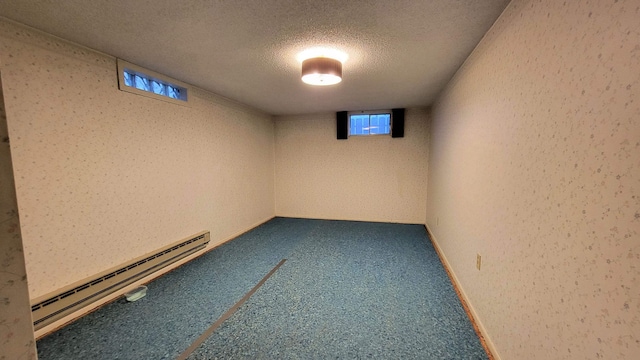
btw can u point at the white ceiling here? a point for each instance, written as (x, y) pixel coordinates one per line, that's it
(401, 52)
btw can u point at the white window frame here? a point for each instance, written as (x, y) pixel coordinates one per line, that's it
(185, 88)
(370, 112)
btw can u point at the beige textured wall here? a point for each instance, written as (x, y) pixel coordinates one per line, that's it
(104, 176)
(16, 328)
(535, 164)
(374, 178)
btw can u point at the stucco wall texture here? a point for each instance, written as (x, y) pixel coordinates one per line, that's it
(535, 165)
(104, 176)
(365, 178)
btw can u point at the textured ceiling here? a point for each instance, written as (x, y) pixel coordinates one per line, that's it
(401, 52)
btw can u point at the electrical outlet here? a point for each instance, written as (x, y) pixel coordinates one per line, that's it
(478, 261)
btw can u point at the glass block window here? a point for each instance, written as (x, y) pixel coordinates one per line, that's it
(145, 82)
(370, 124)
(141, 82)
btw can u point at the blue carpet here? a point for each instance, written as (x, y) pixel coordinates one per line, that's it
(348, 290)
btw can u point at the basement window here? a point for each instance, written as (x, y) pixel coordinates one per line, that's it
(370, 123)
(140, 81)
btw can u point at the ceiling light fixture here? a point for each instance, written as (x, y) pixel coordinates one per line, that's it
(321, 71)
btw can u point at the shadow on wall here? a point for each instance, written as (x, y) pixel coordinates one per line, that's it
(16, 329)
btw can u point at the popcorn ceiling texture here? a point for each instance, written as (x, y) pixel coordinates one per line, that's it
(246, 50)
(104, 176)
(16, 329)
(534, 163)
(370, 178)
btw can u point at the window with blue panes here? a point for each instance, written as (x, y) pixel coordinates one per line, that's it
(370, 124)
(141, 81)
(146, 83)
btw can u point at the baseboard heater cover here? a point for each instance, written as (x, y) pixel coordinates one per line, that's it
(54, 306)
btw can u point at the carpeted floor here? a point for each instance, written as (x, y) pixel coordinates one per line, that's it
(348, 290)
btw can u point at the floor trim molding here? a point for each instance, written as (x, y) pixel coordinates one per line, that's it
(479, 328)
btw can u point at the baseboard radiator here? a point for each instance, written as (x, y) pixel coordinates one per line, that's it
(54, 306)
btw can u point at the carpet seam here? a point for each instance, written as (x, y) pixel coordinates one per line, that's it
(205, 335)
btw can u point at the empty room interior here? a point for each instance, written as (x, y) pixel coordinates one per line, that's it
(462, 180)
